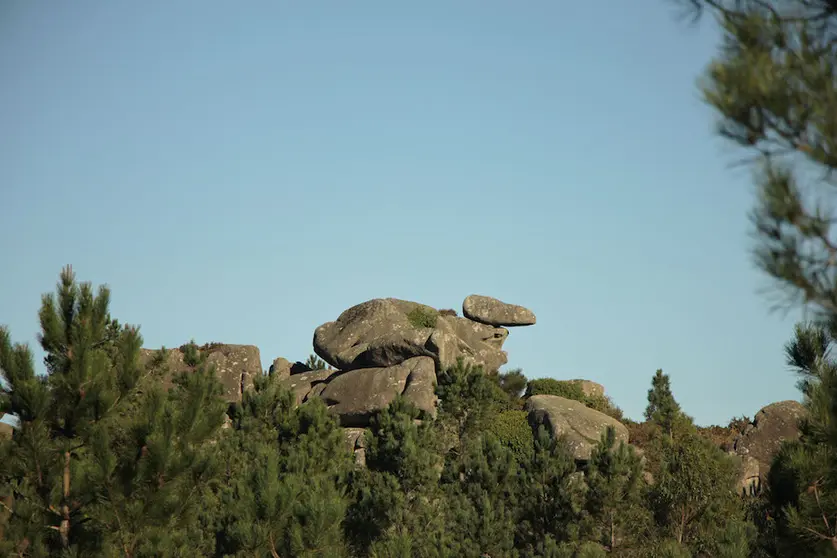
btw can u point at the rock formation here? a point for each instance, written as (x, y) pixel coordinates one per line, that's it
(761, 439)
(387, 347)
(581, 426)
(235, 365)
(387, 331)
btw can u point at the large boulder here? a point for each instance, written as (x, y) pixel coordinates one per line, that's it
(386, 332)
(356, 396)
(581, 426)
(762, 438)
(491, 311)
(235, 365)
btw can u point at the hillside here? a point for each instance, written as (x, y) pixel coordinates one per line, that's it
(402, 436)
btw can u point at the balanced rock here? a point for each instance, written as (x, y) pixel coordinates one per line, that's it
(491, 311)
(761, 440)
(581, 426)
(235, 365)
(386, 332)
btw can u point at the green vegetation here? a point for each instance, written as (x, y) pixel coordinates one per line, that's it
(313, 362)
(423, 317)
(512, 429)
(107, 462)
(572, 389)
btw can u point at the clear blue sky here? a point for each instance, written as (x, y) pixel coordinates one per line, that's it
(243, 172)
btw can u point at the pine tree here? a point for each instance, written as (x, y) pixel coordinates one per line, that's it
(285, 491)
(552, 497)
(662, 408)
(468, 401)
(397, 498)
(103, 462)
(802, 483)
(772, 85)
(616, 515)
(694, 496)
(482, 490)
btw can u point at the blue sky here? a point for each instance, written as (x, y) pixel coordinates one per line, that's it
(243, 172)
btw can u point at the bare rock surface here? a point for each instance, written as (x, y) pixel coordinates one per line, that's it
(357, 395)
(386, 332)
(235, 365)
(581, 426)
(308, 384)
(763, 437)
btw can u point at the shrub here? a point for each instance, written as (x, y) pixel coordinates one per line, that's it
(639, 433)
(423, 316)
(604, 404)
(561, 388)
(571, 389)
(513, 430)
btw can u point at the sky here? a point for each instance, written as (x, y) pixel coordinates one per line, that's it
(244, 172)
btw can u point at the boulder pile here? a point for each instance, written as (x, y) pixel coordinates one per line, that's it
(387, 347)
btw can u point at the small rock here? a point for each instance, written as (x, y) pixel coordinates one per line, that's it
(281, 368)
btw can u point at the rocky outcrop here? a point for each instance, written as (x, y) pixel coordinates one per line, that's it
(235, 365)
(387, 347)
(387, 331)
(581, 426)
(487, 310)
(762, 438)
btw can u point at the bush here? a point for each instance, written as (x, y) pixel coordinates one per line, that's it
(561, 388)
(513, 430)
(571, 389)
(423, 317)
